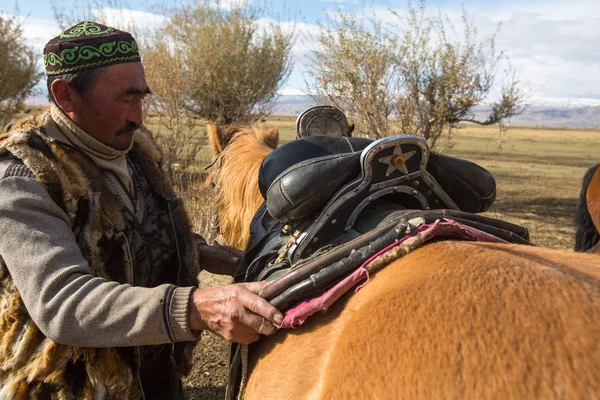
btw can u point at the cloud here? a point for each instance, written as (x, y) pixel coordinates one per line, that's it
(230, 4)
(341, 1)
(302, 48)
(36, 31)
(123, 18)
(552, 45)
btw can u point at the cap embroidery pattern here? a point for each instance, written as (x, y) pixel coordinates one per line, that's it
(88, 45)
(85, 28)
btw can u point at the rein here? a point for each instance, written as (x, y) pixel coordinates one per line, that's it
(215, 225)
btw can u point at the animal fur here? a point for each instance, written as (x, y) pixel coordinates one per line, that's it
(587, 235)
(30, 363)
(449, 320)
(240, 151)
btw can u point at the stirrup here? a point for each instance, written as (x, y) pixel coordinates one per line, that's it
(322, 121)
(389, 166)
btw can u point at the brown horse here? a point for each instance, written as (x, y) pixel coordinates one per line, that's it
(241, 151)
(587, 217)
(449, 320)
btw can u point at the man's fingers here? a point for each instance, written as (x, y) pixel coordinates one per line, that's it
(260, 306)
(220, 254)
(248, 338)
(266, 327)
(259, 324)
(255, 287)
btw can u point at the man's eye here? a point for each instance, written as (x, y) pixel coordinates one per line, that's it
(128, 99)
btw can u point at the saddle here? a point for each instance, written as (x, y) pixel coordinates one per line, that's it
(333, 179)
(347, 191)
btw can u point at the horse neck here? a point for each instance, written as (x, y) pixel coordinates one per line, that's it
(592, 198)
(238, 196)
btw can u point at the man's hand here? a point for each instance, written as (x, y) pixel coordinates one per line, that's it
(234, 312)
(217, 259)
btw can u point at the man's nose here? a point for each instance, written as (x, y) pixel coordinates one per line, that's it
(136, 113)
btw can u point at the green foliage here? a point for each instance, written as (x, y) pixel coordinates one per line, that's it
(178, 133)
(233, 65)
(415, 74)
(18, 69)
(354, 69)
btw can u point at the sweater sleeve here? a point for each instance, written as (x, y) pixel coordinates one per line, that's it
(67, 303)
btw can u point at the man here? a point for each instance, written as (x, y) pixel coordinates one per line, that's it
(98, 266)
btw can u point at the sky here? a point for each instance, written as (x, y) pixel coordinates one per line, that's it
(553, 46)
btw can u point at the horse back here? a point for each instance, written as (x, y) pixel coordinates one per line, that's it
(451, 319)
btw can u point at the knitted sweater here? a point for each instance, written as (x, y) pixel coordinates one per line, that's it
(71, 287)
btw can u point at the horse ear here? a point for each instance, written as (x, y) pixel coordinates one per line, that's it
(220, 136)
(272, 137)
(214, 138)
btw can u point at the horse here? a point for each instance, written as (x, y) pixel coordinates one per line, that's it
(452, 319)
(242, 151)
(587, 216)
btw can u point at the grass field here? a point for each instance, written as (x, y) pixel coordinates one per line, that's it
(538, 172)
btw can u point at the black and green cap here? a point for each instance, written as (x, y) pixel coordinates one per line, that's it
(88, 45)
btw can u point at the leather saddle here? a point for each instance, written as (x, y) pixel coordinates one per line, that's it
(357, 196)
(335, 180)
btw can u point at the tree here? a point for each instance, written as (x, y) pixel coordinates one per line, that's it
(424, 75)
(181, 139)
(354, 69)
(18, 69)
(233, 65)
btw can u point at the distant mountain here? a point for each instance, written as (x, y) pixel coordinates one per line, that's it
(550, 112)
(292, 105)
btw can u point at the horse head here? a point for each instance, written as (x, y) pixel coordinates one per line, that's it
(238, 152)
(587, 218)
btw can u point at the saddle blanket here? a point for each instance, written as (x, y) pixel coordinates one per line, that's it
(445, 227)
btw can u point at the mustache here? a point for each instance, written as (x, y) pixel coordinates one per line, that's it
(130, 127)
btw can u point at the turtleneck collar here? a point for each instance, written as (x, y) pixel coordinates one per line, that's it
(82, 139)
(104, 156)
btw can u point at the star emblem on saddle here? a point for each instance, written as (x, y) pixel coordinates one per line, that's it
(397, 161)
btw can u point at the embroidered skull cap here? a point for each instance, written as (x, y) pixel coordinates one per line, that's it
(88, 45)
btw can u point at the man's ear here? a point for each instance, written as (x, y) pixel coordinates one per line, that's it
(64, 95)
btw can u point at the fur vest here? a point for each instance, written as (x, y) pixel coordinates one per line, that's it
(32, 365)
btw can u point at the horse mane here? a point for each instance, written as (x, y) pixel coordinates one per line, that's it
(240, 151)
(586, 234)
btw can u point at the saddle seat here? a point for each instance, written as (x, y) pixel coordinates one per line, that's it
(338, 178)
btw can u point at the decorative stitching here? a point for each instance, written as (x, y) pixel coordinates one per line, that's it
(77, 54)
(85, 28)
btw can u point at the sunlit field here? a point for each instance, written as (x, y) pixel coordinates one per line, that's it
(538, 173)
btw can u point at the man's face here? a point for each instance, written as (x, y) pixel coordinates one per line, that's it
(111, 108)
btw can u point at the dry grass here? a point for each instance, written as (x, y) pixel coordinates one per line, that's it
(538, 173)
